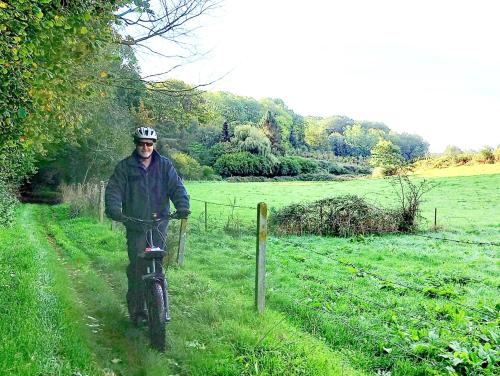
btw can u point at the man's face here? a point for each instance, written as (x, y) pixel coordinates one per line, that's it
(144, 148)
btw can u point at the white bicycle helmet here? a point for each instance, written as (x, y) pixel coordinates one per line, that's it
(145, 133)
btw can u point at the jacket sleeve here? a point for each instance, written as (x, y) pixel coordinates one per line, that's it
(115, 192)
(177, 191)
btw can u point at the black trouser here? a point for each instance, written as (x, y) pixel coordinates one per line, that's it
(136, 243)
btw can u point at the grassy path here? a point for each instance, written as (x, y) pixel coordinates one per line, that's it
(79, 324)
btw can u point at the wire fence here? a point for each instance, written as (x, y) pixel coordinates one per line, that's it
(237, 218)
(418, 289)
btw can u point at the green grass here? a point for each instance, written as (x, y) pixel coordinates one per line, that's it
(41, 321)
(402, 304)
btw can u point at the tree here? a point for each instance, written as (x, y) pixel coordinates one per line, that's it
(360, 140)
(315, 134)
(252, 139)
(386, 156)
(272, 131)
(225, 132)
(412, 146)
(452, 150)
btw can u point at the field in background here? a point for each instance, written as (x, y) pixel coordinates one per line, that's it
(479, 169)
(376, 305)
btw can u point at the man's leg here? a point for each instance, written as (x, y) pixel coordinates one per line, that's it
(136, 243)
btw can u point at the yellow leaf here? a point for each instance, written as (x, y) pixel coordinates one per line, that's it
(83, 30)
(3, 5)
(104, 74)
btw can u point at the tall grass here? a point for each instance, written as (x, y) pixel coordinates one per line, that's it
(41, 321)
(83, 199)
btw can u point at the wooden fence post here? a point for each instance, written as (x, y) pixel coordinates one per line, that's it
(260, 268)
(101, 202)
(321, 220)
(206, 216)
(182, 242)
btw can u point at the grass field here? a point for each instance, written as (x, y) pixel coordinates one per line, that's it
(375, 305)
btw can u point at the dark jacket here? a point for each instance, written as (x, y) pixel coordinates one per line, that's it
(138, 192)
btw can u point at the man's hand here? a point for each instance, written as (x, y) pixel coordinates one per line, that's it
(181, 214)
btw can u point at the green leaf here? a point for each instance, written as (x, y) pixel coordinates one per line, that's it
(22, 113)
(83, 30)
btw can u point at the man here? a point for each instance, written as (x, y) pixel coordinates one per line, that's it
(143, 184)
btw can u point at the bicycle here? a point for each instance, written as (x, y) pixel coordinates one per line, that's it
(156, 302)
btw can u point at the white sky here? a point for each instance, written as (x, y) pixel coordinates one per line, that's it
(430, 67)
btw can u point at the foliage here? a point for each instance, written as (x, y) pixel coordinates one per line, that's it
(454, 158)
(244, 164)
(410, 194)
(411, 146)
(386, 156)
(220, 149)
(452, 150)
(486, 155)
(251, 139)
(338, 216)
(42, 45)
(273, 133)
(187, 167)
(8, 203)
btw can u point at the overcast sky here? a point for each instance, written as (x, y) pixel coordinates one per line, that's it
(425, 67)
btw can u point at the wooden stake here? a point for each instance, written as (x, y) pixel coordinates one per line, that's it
(182, 242)
(260, 268)
(206, 216)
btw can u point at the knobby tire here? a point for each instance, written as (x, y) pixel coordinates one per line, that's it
(156, 316)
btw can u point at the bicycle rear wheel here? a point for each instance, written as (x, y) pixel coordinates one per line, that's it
(156, 312)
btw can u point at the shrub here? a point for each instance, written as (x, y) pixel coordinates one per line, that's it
(497, 154)
(187, 167)
(337, 216)
(8, 202)
(244, 164)
(288, 166)
(486, 155)
(207, 172)
(307, 166)
(332, 167)
(220, 149)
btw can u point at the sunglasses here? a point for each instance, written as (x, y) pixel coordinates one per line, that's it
(148, 144)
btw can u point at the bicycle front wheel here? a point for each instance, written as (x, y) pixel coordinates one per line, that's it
(156, 311)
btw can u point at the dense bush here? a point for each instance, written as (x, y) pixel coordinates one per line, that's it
(8, 203)
(220, 149)
(332, 167)
(287, 166)
(486, 155)
(307, 166)
(187, 167)
(338, 216)
(244, 164)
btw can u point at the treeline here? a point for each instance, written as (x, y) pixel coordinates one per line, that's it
(72, 94)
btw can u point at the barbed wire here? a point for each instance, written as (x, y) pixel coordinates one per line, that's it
(418, 289)
(368, 301)
(221, 204)
(458, 241)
